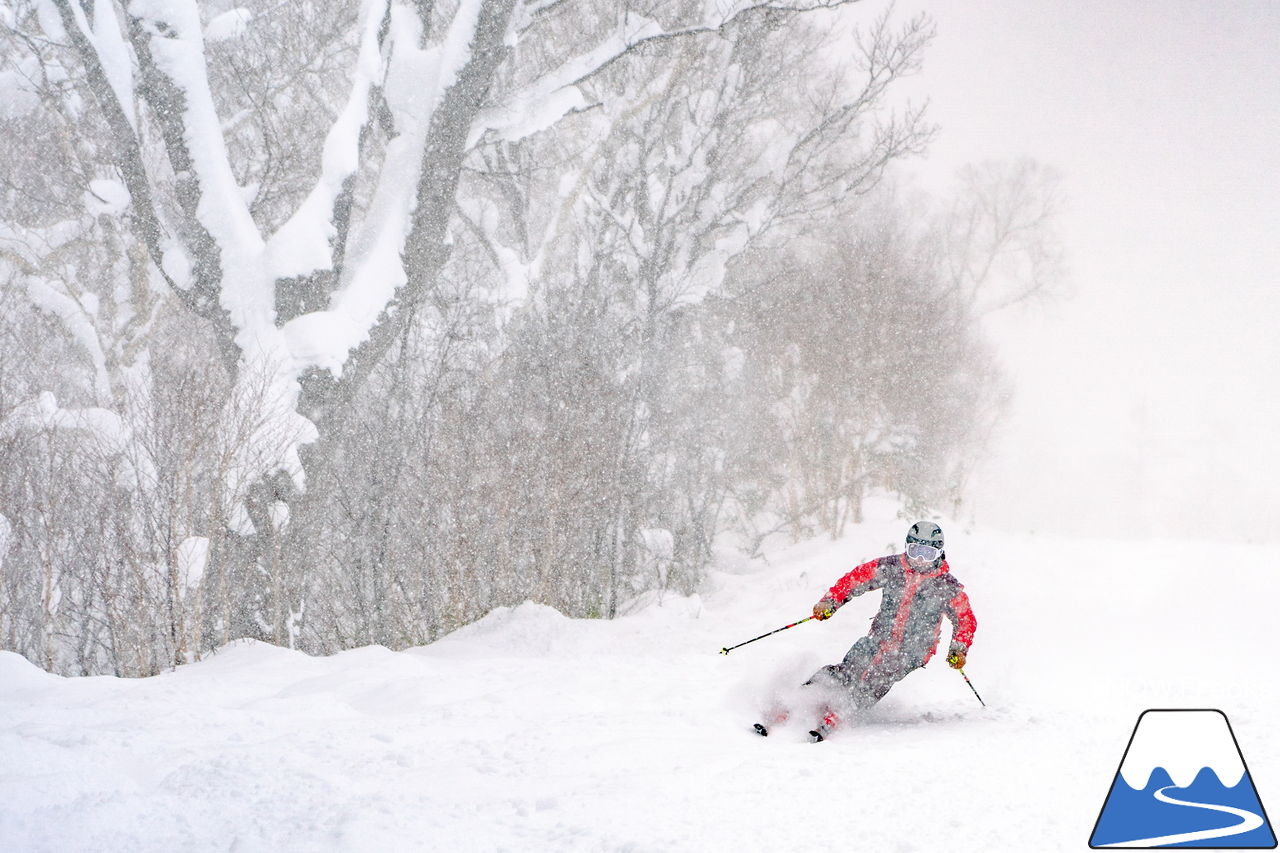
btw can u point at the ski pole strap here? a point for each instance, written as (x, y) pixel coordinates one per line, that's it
(726, 651)
(971, 687)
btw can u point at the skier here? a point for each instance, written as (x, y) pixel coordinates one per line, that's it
(918, 589)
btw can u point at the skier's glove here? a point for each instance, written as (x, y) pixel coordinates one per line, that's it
(824, 609)
(956, 658)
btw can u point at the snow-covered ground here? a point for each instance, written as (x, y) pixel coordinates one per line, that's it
(529, 731)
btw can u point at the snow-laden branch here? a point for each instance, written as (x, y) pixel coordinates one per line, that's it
(550, 97)
(103, 425)
(108, 43)
(171, 32)
(543, 102)
(51, 296)
(415, 84)
(27, 248)
(303, 244)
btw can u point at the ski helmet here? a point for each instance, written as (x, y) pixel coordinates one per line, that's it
(925, 533)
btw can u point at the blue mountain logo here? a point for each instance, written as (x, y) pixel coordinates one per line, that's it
(1183, 783)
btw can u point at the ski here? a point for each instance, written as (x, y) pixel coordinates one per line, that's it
(761, 730)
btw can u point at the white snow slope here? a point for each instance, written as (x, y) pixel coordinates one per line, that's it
(529, 731)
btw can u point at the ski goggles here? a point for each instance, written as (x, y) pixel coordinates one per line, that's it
(921, 551)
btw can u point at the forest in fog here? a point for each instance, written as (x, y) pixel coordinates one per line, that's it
(343, 322)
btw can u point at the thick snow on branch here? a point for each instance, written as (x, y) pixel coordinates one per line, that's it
(416, 81)
(177, 44)
(552, 96)
(77, 316)
(108, 42)
(247, 290)
(30, 245)
(44, 413)
(302, 245)
(529, 111)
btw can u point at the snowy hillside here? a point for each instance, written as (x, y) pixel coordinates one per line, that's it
(529, 731)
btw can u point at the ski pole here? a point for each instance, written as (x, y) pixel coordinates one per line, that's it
(971, 687)
(762, 636)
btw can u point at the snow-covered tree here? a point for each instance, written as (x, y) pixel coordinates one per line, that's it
(338, 323)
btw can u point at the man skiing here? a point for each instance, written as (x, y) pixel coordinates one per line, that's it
(918, 590)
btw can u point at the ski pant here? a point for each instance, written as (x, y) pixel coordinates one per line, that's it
(866, 678)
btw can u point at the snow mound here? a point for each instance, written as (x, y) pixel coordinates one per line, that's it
(529, 630)
(17, 672)
(244, 655)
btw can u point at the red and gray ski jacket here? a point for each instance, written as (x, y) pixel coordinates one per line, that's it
(912, 607)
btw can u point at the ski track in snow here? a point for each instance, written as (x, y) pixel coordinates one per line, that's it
(528, 731)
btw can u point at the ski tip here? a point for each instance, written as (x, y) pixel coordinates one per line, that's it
(761, 730)
(816, 736)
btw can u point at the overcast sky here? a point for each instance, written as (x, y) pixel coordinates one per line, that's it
(1149, 404)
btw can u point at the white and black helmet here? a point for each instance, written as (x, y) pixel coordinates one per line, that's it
(924, 542)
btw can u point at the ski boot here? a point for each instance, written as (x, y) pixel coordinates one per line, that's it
(776, 719)
(829, 721)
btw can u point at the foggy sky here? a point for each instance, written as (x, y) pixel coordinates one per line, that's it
(1148, 404)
